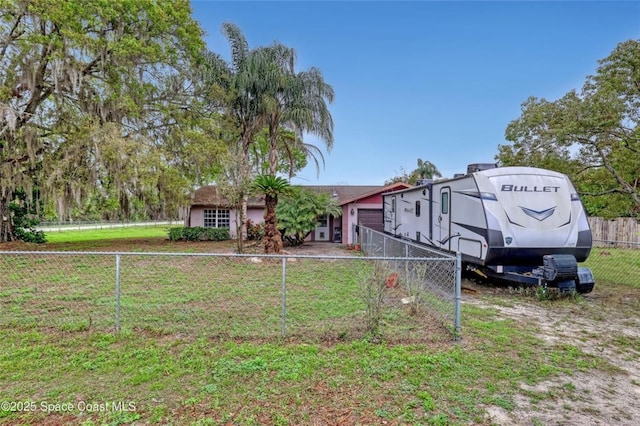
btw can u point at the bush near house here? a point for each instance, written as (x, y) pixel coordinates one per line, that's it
(255, 231)
(199, 234)
(299, 211)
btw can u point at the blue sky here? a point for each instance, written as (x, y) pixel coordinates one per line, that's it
(438, 81)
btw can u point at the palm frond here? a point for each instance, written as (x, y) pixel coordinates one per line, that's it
(238, 43)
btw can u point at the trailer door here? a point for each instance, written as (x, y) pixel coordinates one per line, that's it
(444, 218)
(390, 216)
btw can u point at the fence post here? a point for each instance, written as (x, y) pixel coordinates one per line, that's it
(406, 262)
(284, 296)
(458, 296)
(384, 246)
(117, 292)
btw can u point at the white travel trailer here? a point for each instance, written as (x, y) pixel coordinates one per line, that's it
(521, 224)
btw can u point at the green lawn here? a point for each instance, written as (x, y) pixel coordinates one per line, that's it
(72, 236)
(615, 266)
(206, 348)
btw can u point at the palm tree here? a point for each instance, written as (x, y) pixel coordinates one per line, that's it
(271, 186)
(426, 170)
(295, 101)
(293, 153)
(238, 88)
(263, 89)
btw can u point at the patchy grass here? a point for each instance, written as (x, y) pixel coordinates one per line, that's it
(204, 349)
(175, 379)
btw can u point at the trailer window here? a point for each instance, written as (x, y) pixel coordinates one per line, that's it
(417, 208)
(393, 204)
(444, 203)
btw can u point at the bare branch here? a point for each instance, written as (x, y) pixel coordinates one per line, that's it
(12, 35)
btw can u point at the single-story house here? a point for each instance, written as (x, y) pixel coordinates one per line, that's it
(360, 204)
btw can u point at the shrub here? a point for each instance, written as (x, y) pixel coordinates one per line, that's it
(30, 235)
(24, 220)
(199, 233)
(255, 231)
(175, 234)
(372, 287)
(298, 214)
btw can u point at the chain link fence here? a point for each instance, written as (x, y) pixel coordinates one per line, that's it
(431, 278)
(615, 262)
(398, 286)
(214, 295)
(612, 263)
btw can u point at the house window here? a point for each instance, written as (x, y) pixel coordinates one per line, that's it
(417, 208)
(216, 218)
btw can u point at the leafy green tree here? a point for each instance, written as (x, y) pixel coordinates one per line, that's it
(425, 170)
(298, 213)
(234, 185)
(89, 92)
(591, 135)
(271, 186)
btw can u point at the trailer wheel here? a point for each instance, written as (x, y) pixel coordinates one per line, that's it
(584, 288)
(585, 281)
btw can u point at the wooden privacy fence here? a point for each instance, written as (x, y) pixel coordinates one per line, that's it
(620, 230)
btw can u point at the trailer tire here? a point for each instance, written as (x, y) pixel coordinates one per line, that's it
(584, 288)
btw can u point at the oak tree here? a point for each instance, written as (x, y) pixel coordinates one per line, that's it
(89, 92)
(592, 135)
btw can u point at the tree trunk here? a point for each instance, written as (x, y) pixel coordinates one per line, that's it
(273, 150)
(272, 240)
(241, 220)
(6, 224)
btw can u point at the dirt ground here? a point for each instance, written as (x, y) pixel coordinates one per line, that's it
(606, 324)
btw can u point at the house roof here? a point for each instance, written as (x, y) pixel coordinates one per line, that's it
(208, 196)
(344, 194)
(381, 190)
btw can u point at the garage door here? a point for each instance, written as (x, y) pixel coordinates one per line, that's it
(371, 218)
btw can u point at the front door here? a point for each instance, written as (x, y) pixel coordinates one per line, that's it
(444, 219)
(322, 230)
